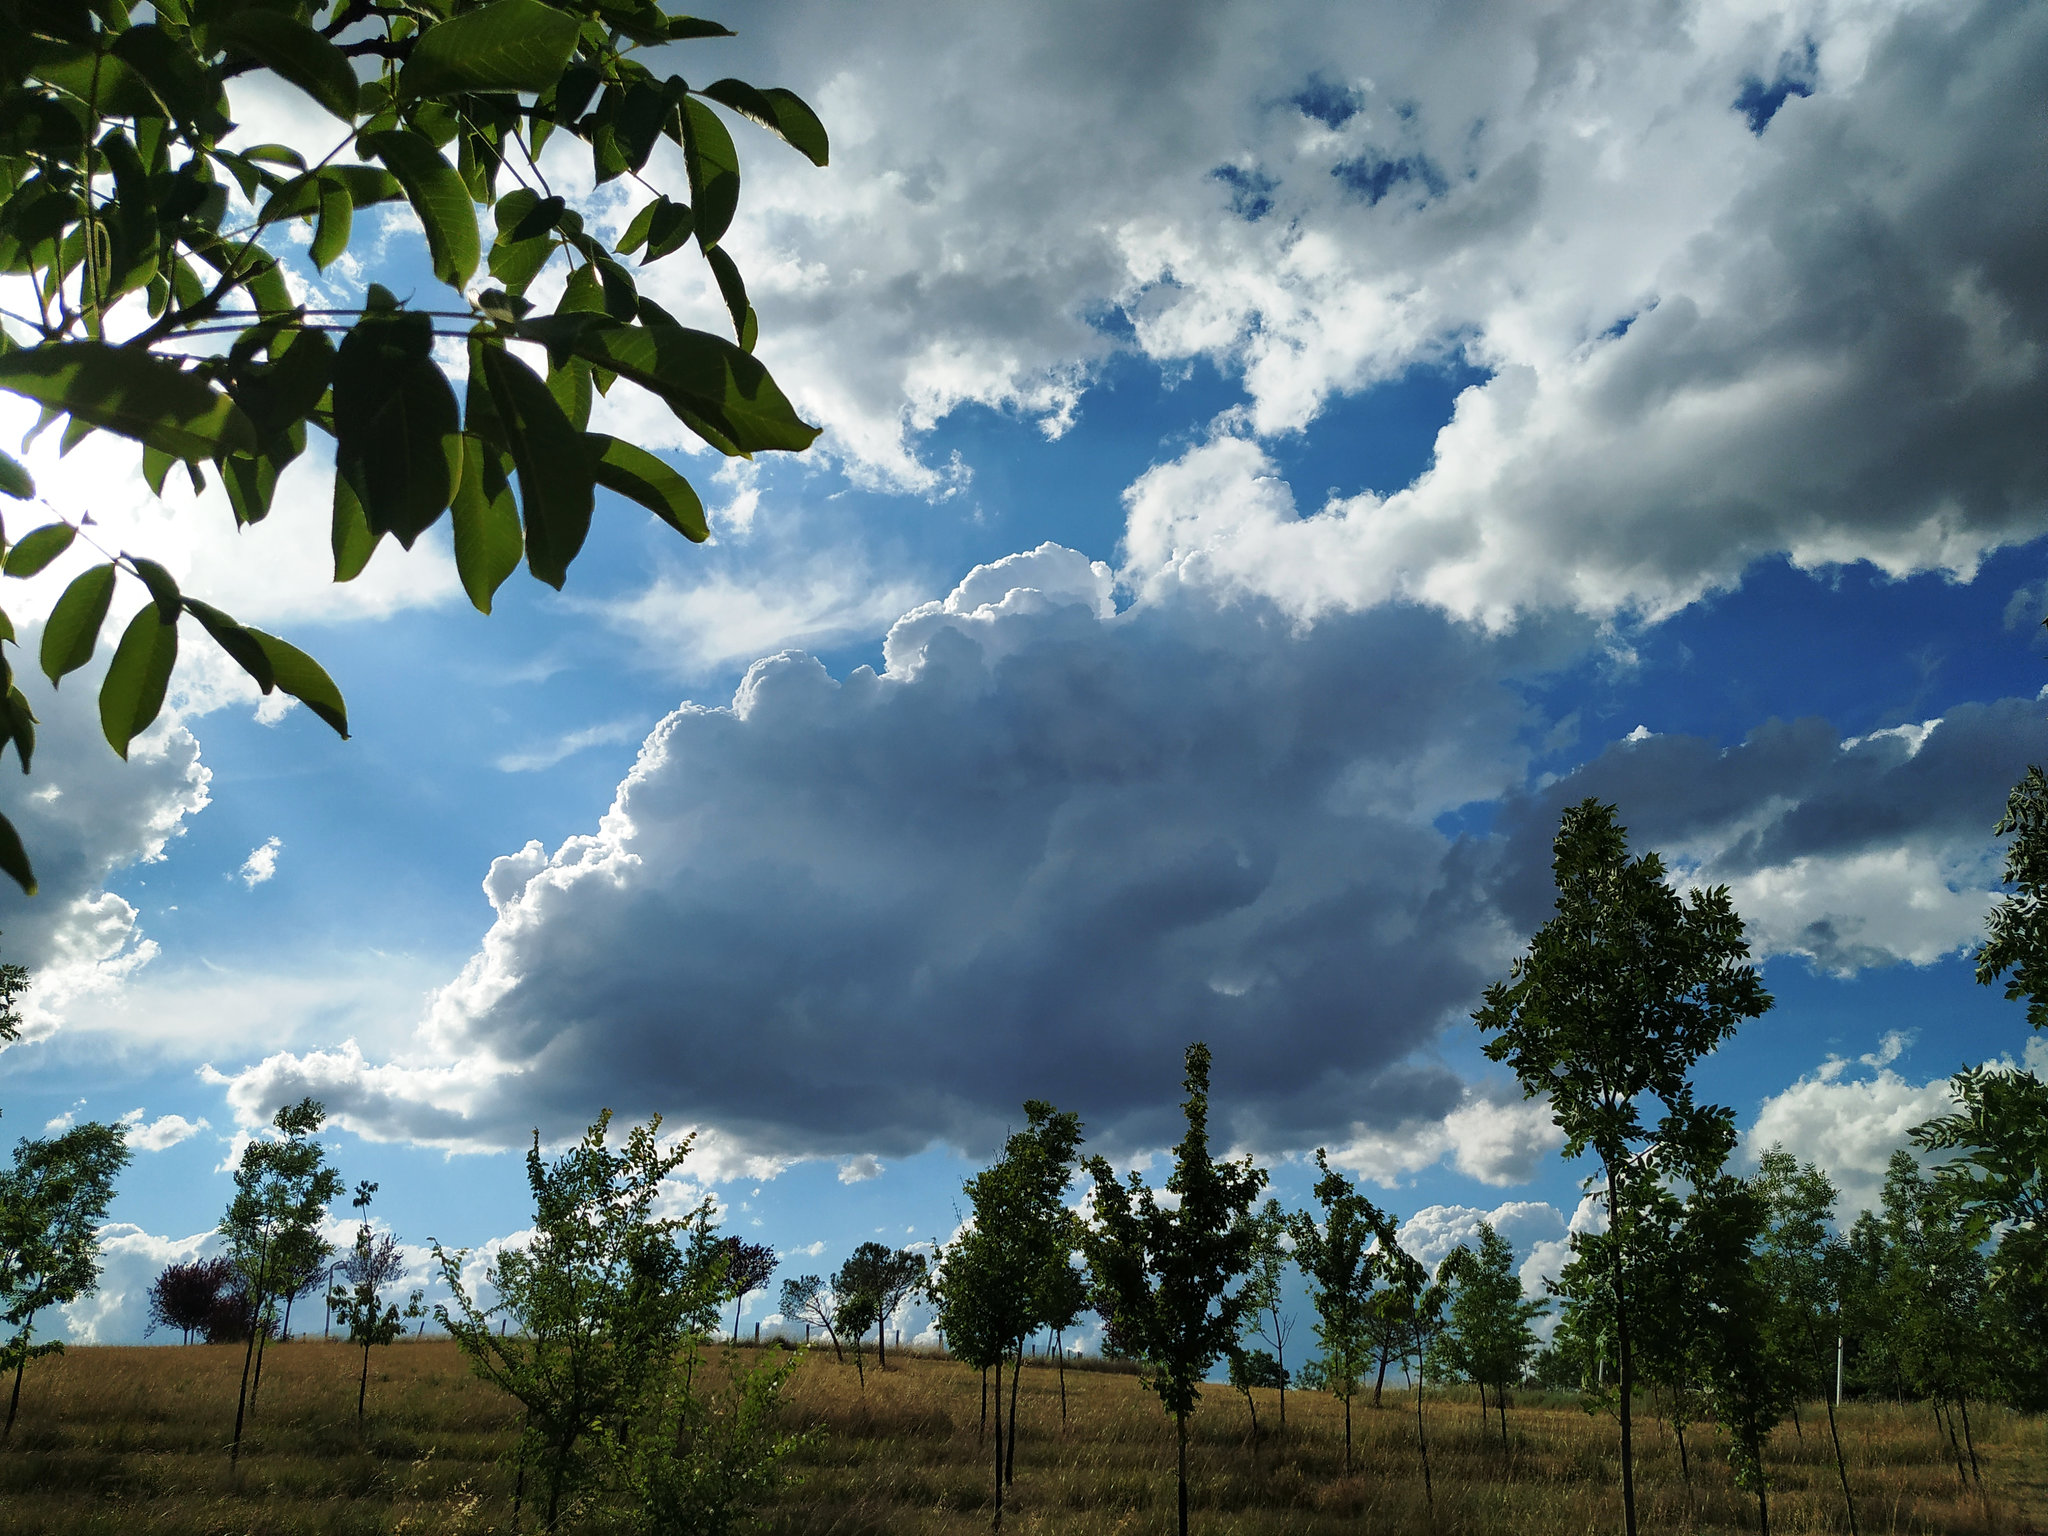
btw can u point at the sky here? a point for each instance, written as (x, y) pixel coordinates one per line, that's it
(1275, 458)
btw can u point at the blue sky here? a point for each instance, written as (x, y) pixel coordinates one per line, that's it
(1273, 461)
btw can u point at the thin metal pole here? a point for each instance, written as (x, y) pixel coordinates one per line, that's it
(1838, 1370)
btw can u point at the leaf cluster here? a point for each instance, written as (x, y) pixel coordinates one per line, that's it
(52, 1201)
(167, 311)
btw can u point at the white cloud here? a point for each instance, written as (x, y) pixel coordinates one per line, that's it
(163, 1132)
(1496, 1139)
(261, 864)
(858, 1170)
(1850, 1126)
(117, 1312)
(1532, 1227)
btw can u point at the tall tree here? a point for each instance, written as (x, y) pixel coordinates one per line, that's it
(52, 1202)
(283, 1186)
(1169, 1279)
(748, 1267)
(372, 1267)
(603, 1297)
(1341, 1256)
(1617, 997)
(157, 257)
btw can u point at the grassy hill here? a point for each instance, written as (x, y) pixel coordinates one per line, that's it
(134, 1440)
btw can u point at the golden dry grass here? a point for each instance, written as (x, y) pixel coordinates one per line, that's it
(134, 1440)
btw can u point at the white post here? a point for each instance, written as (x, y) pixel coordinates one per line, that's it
(1838, 1370)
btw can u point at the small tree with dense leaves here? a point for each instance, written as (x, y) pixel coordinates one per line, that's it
(1617, 997)
(1341, 1256)
(52, 1202)
(1490, 1320)
(748, 1267)
(807, 1300)
(603, 1301)
(1170, 1280)
(882, 1279)
(183, 1296)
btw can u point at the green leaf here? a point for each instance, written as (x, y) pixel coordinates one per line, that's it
(295, 53)
(782, 113)
(351, 537)
(714, 169)
(731, 288)
(14, 858)
(437, 195)
(235, 640)
(73, 628)
(337, 218)
(395, 423)
(639, 476)
(163, 589)
(175, 78)
(133, 692)
(15, 479)
(21, 722)
(303, 678)
(132, 392)
(556, 476)
(716, 389)
(38, 547)
(488, 543)
(510, 45)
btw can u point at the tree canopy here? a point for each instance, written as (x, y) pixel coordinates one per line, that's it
(172, 307)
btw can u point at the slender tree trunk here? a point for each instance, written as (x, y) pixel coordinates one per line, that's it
(1500, 1404)
(1684, 1462)
(1010, 1452)
(248, 1358)
(1763, 1508)
(1252, 1403)
(363, 1386)
(737, 1302)
(1347, 1434)
(999, 1441)
(1842, 1469)
(881, 1340)
(1180, 1421)
(14, 1401)
(285, 1328)
(1954, 1449)
(1482, 1400)
(1626, 1363)
(1386, 1354)
(1963, 1402)
(1280, 1359)
(1422, 1438)
(1798, 1428)
(982, 1433)
(1063, 1380)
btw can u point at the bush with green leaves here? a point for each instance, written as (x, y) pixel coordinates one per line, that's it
(162, 304)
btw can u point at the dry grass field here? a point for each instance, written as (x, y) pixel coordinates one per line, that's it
(135, 1440)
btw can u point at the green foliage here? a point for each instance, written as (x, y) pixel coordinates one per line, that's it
(1617, 997)
(357, 1296)
(52, 1202)
(873, 1282)
(2016, 940)
(1342, 1257)
(156, 259)
(1010, 1271)
(602, 1300)
(1489, 1336)
(13, 983)
(706, 1461)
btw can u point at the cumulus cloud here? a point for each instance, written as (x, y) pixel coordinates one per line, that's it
(1708, 331)
(1047, 831)
(1494, 1138)
(1535, 1229)
(1851, 1124)
(84, 814)
(117, 1311)
(261, 864)
(165, 1131)
(1872, 850)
